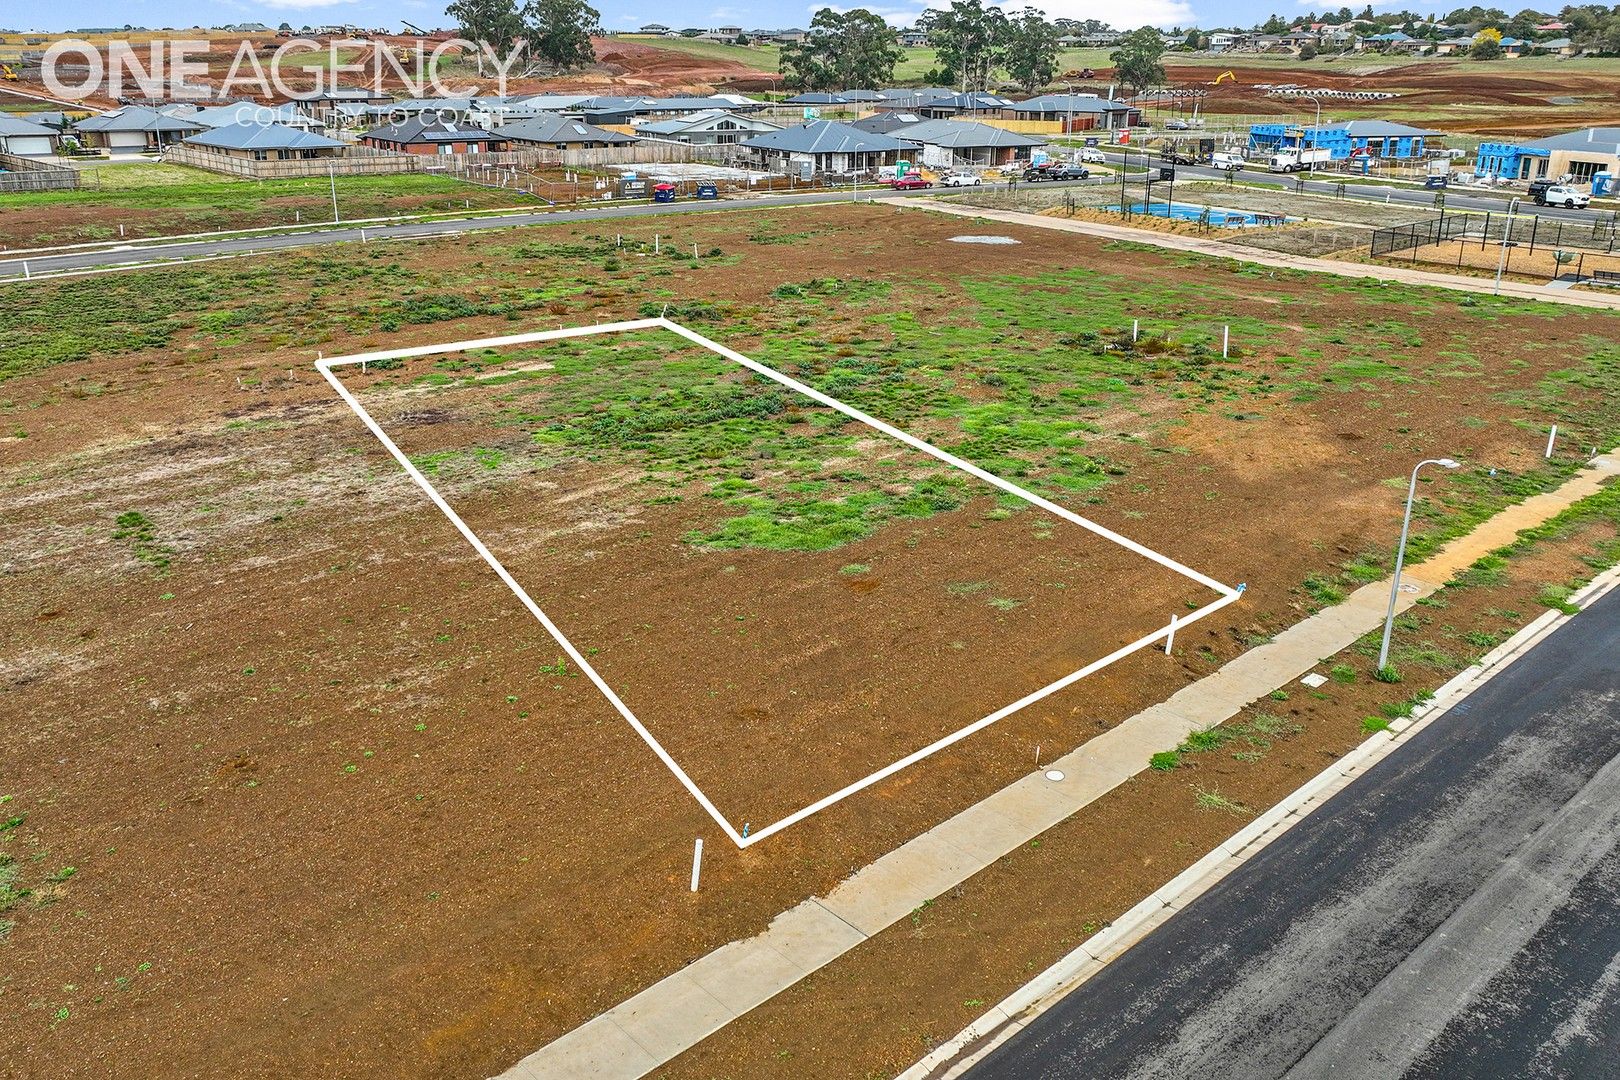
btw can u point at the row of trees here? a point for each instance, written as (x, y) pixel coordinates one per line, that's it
(547, 34)
(973, 44)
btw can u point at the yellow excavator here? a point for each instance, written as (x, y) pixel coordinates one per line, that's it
(8, 73)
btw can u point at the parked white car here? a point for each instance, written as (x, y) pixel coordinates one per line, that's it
(1567, 197)
(1092, 156)
(961, 180)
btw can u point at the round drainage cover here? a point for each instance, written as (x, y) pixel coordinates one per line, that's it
(1054, 775)
(983, 240)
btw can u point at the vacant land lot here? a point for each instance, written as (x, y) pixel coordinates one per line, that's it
(285, 757)
(169, 200)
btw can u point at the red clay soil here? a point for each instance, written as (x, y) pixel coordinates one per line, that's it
(330, 809)
(622, 67)
(1519, 94)
(877, 1009)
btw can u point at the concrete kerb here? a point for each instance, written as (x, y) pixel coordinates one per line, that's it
(1011, 1014)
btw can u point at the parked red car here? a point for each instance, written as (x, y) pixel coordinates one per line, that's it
(910, 182)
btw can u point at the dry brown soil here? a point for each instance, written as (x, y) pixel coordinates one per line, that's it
(327, 813)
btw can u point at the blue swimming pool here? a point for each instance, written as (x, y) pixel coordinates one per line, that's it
(1219, 216)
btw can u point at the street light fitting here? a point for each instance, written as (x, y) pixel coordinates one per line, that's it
(1446, 463)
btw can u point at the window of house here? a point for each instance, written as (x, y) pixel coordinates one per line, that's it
(1583, 171)
(261, 155)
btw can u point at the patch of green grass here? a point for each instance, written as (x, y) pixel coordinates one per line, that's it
(1164, 761)
(138, 529)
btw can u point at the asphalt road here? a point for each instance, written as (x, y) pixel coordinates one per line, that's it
(1390, 194)
(145, 254)
(1454, 913)
(103, 258)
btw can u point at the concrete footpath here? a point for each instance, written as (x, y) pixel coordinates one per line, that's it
(1222, 249)
(679, 1011)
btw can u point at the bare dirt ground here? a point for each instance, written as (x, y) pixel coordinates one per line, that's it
(622, 67)
(297, 784)
(1513, 100)
(877, 1009)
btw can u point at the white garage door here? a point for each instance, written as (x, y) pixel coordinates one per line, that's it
(126, 142)
(29, 145)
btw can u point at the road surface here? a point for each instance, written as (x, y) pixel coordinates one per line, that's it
(1388, 194)
(1453, 913)
(147, 253)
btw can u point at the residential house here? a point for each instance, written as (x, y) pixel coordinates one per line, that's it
(27, 139)
(1394, 41)
(247, 112)
(886, 123)
(264, 142)
(1453, 46)
(814, 98)
(421, 135)
(1221, 41)
(133, 129)
(791, 36)
(624, 110)
(707, 129)
(950, 144)
(860, 97)
(1077, 112)
(826, 146)
(1380, 139)
(1557, 47)
(325, 106)
(561, 133)
(1581, 154)
(722, 33)
(654, 28)
(938, 103)
(1514, 48)
(913, 39)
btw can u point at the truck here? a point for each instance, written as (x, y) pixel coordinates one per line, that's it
(1299, 160)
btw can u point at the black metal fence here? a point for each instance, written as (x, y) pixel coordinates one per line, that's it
(1532, 231)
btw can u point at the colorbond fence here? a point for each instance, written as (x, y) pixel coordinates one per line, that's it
(32, 174)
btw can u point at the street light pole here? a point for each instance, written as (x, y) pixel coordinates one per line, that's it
(1400, 556)
(1316, 133)
(1507, 231)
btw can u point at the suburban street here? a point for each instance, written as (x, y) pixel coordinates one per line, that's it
(1415, 197)
(1454, 913)
(318, 235)
(101, 257)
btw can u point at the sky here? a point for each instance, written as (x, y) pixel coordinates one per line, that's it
(616, 14)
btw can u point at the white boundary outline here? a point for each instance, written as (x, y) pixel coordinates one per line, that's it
(1227, 593)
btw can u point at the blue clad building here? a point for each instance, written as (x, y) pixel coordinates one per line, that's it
(1382, 139)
